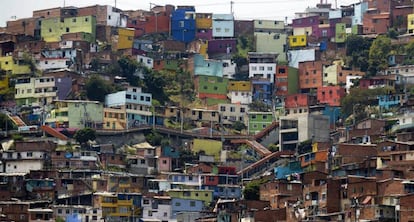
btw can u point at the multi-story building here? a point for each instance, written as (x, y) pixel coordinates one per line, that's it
(231, 113)
(286, 81)
(128, 108)
(204, 24)
(52, 29)
(35, 90)
(155, 21)
(27, 156)
(297, 128)
(75, 114)
(191, 194)
(280, 192)
(223, 25)
(118, 206)
(262, 65)
(156, 208)
(257, 121)
(330, 95)
(14, 66)
(240, 92)
(144, 162)
(183, 24)
(271, 36)
(211, 88)
(310, 75)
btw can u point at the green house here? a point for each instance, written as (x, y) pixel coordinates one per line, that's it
(212, 89)
(257, 121)
(340, 32)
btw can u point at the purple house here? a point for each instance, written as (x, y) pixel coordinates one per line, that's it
(64, 87)
(221, 46)
(311, 21)
(205, 34)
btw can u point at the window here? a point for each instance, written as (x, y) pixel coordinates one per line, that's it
(150, 213)
(226, 30)
(261, 68)
(232, 109)
(192, 203)
(74, 20)
(218, 29)
(29, 154)
(177, 204)
(223, 108)
(253, 116)
(289, 187)
(269, 68)
(143, 161)
(67, 29)
(242, 110)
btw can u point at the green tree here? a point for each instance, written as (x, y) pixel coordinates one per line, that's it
(5, 122)
(129, 68)
(378, 54)
(154, 138)
(409, 53)
(84, 135)
(241, 61)
(252, 189)
(358, 99)
(155, 82)
(239, 126)
(97, 88)
(357, 51)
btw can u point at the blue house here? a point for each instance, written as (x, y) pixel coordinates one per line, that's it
(292, 168)
(387, 101)
(262, 90)
(185, 205)
(183, 24)
(207, 67)
(334, 114)
(228, 192)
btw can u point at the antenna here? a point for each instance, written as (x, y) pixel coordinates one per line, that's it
(231, 7)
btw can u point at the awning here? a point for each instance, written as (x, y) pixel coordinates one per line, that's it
(367, 200)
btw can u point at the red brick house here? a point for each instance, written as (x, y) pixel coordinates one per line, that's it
(279, 192)
(330, 95)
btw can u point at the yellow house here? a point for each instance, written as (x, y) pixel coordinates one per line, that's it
(210, 147)
(203, 49)
(330, 74)
(13, 66)
(52, 29)
(4, 82)
(114, 118)
(125, 38)
(204, 21)
(116, 205)
(297, 40)
(245, 86)
(410, 23)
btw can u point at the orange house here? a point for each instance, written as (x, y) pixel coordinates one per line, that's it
(312, 158)
(310, 75)
(298, 100)
(330, 95)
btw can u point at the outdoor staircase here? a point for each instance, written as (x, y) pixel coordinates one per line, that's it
(17, 120)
